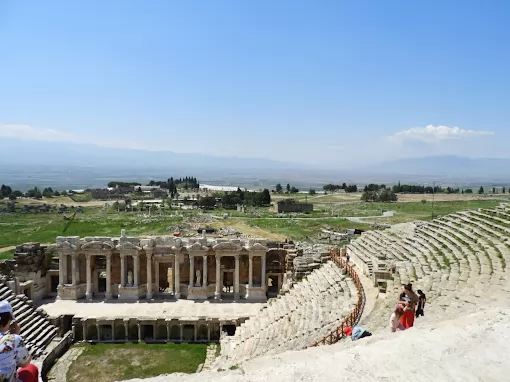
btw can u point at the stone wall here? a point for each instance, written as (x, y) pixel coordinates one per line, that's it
(32, 262)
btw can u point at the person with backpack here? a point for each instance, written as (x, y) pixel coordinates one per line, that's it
(421, 303)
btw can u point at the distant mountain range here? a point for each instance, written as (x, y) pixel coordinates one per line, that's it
(29, 163)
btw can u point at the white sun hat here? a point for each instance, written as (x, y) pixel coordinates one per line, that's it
(5, 307)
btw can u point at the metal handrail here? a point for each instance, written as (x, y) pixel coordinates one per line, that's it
(355, 316)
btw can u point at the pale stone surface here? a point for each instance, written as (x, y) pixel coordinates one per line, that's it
(469, 348)
(173, 309)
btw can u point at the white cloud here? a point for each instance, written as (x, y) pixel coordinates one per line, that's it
(33, 133)
(51, 135)
(434, 134)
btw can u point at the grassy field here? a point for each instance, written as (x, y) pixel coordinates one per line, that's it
(44, 228)
(115, 362)
(299, 229)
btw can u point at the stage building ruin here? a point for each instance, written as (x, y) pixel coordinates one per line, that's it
(198, 268)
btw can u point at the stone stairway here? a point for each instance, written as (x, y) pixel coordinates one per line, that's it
(312, 309)
(35, 326)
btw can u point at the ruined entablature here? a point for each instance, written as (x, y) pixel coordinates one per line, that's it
(197, 249)
(257, 249)
(227, 248)
(97, 246)
(66, 248)
(128, 248)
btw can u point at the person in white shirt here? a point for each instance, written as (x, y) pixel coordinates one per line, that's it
(13, 352)
(395, 320)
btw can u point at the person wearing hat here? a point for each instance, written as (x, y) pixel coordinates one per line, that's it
(356, 332)
(13, 352)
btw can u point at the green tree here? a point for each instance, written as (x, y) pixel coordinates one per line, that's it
(493, 190)
(288, 188)
(369, 196)
(503, 190)
(207, 202)
(279, 188)
(468, 191)
(311, 191)
(266, 197)
(480, 190)
(12, 197)
(294, 190)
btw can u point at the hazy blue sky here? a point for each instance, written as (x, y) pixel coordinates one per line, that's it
(293, 80)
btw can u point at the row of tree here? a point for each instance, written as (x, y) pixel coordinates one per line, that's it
(289, 189)
(336, 187)
(8, 192)
(232, 199)
(384, 195)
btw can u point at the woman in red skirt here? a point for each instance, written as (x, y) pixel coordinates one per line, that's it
(407, 319)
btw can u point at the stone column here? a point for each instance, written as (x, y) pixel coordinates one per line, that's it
(113, 330)
(88, 293)
(64, 269)
(204, 271)
(98, 332)
(177, 276)
(149, 276)
(136, 270)
(208, 333)
(236, 279)
(139, 332)
(263, 271)
(61, 259)
(195, 333)
(180, 327)
(122, 270)
(84, 327)
(250, 270)
(191, 270)
(167, 331)
(217, 293)
(156, 275)
(74, 260)
(126, 329)
(108, 276)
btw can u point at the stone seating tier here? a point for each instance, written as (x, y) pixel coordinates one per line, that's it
(36, 329)
(456, 260)
(311, 309)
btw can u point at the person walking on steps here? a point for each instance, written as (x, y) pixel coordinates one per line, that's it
(356, 332)
(421, 303)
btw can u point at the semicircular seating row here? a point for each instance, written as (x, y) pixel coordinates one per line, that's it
(296, 320)
(458, 260)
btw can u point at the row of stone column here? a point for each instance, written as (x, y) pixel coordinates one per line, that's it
(136, 273)
(126, 329)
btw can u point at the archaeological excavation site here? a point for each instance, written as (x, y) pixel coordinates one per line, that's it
(256, 302)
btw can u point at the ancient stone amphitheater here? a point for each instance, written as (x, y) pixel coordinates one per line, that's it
(460, 261)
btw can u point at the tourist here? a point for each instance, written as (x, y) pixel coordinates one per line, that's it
(347, 258)
(421, 303)
(13, 352)
(407, 319)
(356, 332)
(395, 319)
